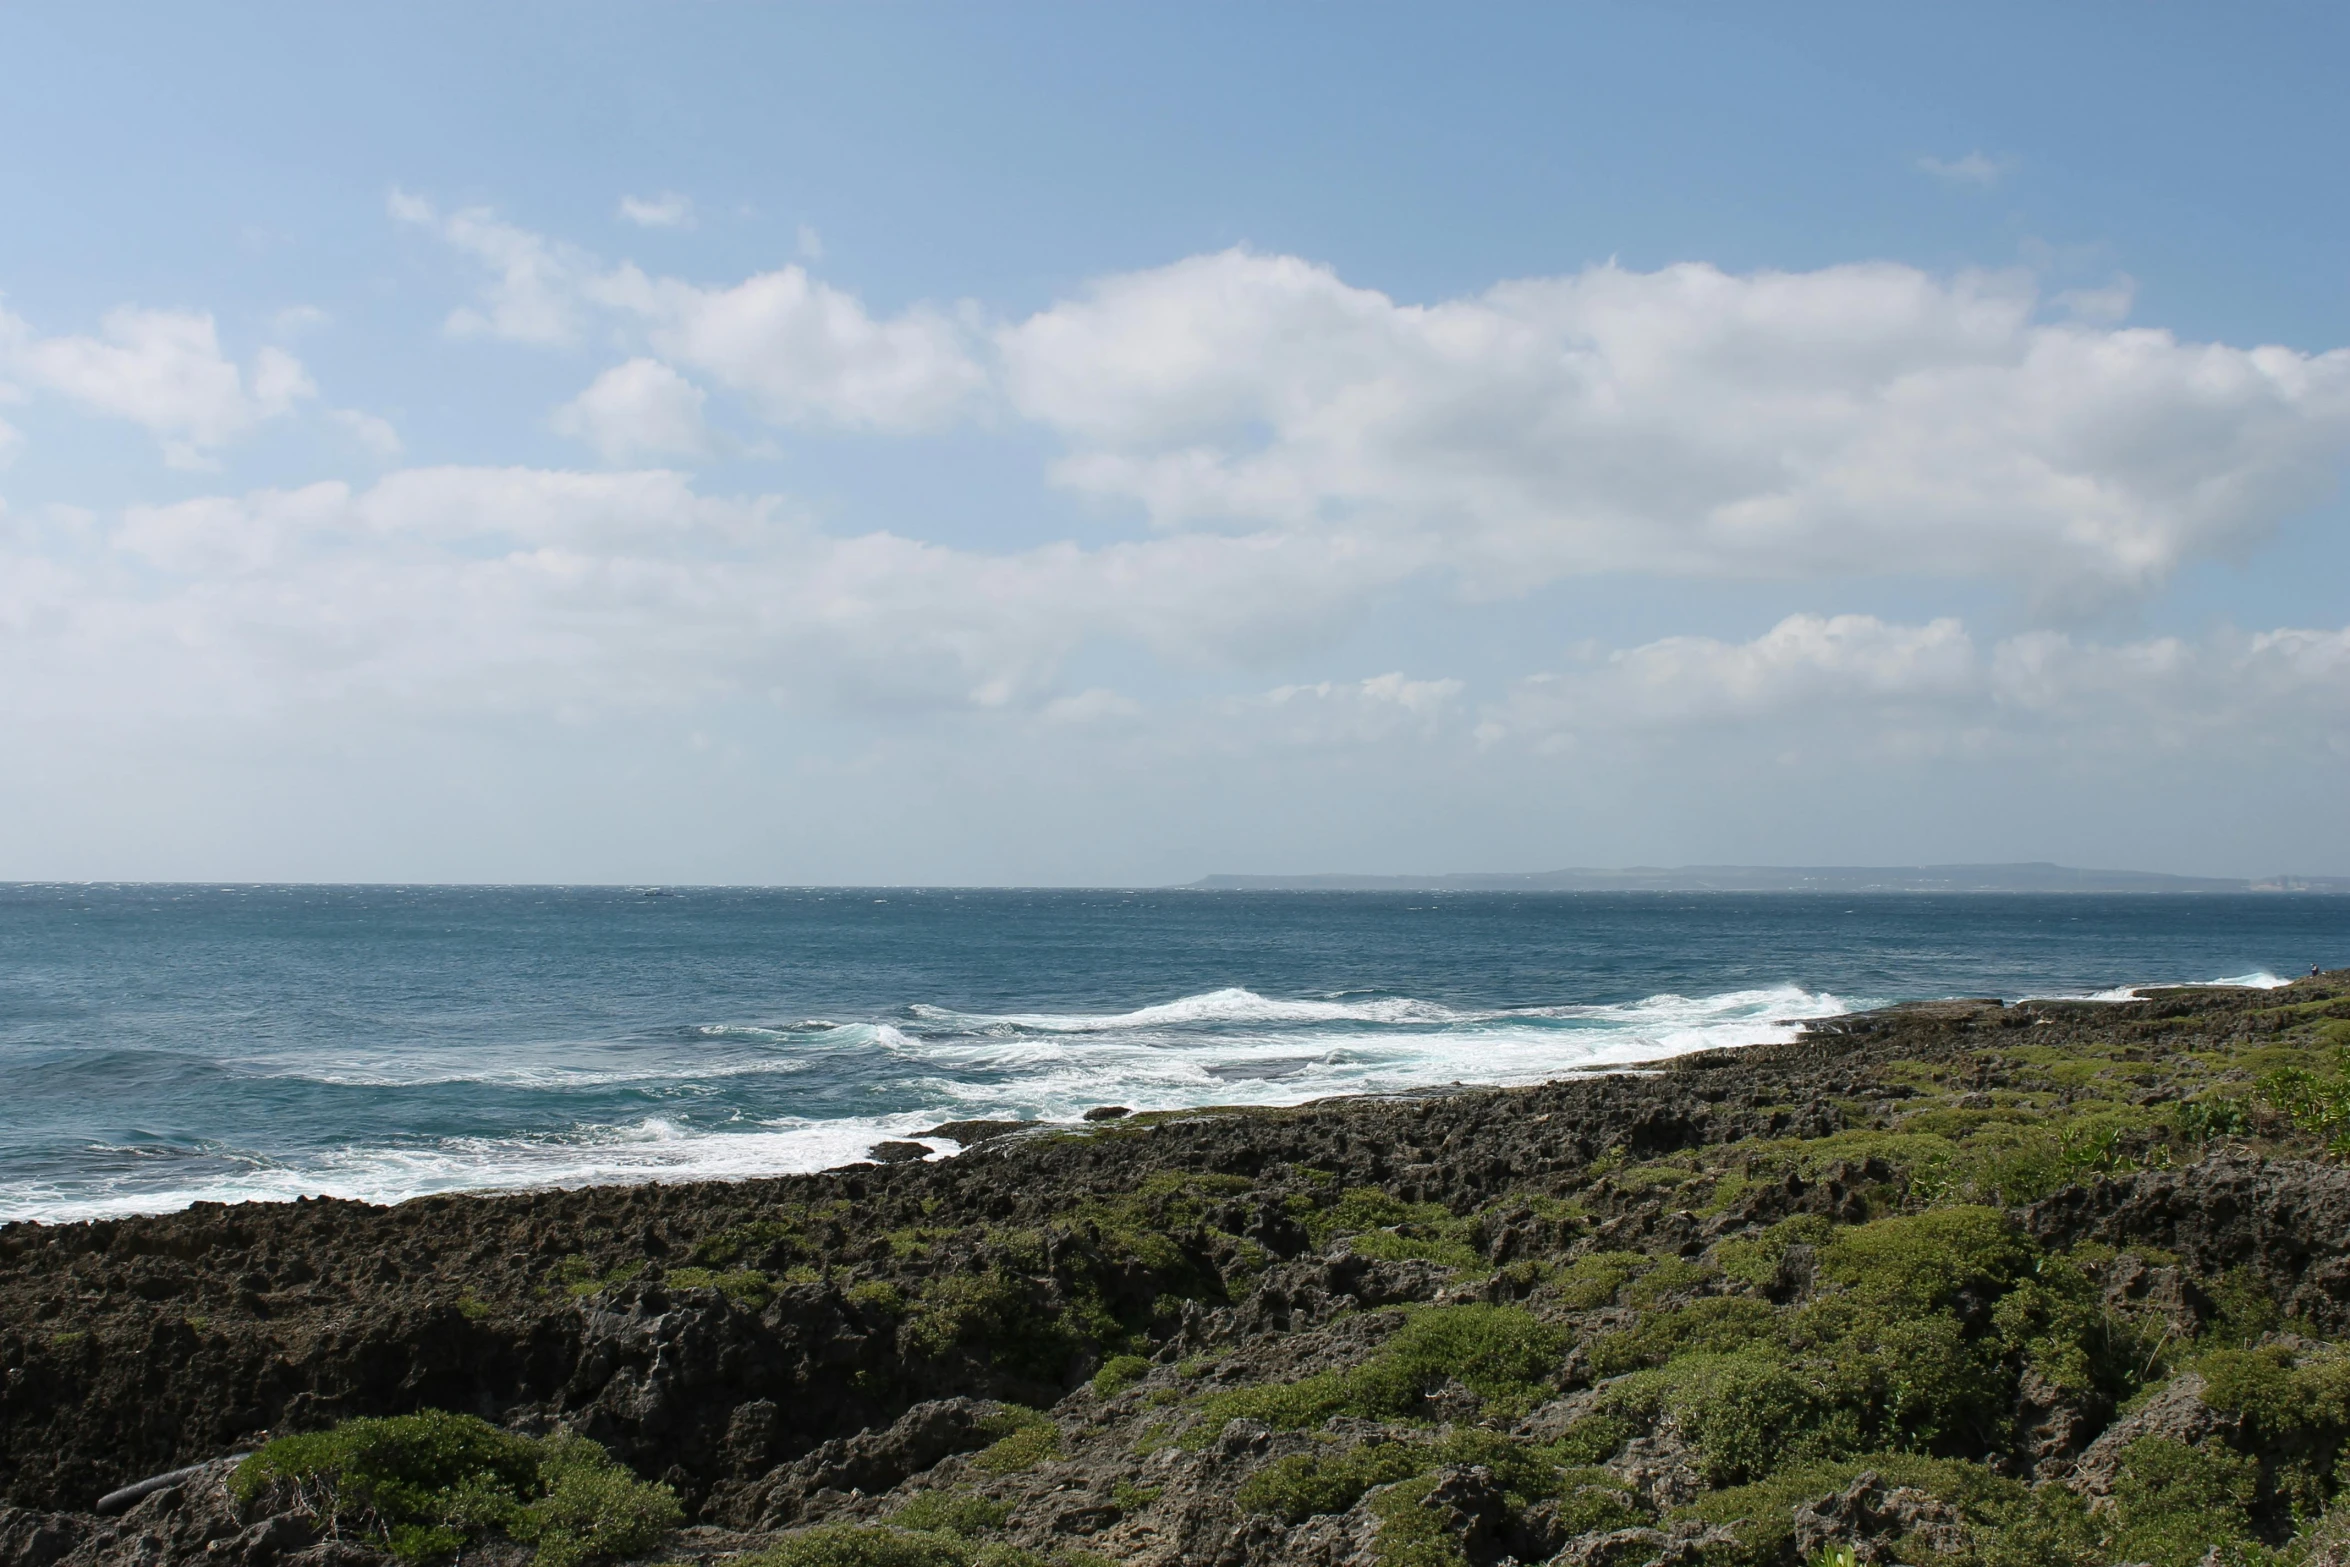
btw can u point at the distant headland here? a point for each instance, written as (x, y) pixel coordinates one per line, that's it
(2036, 876)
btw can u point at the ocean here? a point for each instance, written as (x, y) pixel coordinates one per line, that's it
(162, 1045)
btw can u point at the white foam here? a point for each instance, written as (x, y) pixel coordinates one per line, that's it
(1226, 1006)
(2258, 979)
(1227, 1046)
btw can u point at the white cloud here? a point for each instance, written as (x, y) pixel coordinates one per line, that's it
(811, 243)
(1815, 679)
(163, 370)
(803, 351)
(641, 408)
(534, 294)
(1091, 706)
(2107, 306)
(1343, 713)
(450, 590)
(1973, 169)
(371, 431)
(1855, 420)
(669, 210)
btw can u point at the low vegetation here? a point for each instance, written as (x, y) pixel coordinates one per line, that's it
(426, 1484)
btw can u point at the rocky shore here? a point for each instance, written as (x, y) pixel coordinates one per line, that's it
(1958, 1282)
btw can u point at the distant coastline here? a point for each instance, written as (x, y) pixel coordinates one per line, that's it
(2036, 876)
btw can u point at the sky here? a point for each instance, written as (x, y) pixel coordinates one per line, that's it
(1106, 445)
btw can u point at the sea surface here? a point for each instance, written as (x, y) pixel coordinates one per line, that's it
(167, 1045)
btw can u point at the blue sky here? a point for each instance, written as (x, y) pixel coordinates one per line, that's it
(1097, 444)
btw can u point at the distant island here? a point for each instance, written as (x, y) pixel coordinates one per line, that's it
(2037, 876)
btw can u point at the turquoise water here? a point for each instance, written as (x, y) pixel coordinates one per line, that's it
(163, 1045)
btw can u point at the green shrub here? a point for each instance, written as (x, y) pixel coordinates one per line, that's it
(425, 1483)
(1118, 1373)
(1718, 1325)
(593, 1509)
(741, 1284)
(1746, 1413)
(852, 1545)
(992, 1314)
(1592, 1280)
(1754, 1260)
(1410, 1535)
(1919, 1262)
(1503, 1354)
(1670, 1276)
(1762, 1514)
(959, 1513)
(1029, 1439)
(2176, 1502)
(1295, 1488)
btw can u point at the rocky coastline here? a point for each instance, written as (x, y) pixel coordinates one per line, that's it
(1954, 1282)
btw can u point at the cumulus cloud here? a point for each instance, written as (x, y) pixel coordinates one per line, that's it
(533, 292)
(669, 210)
(373, 432)
(1854, 420)
(451, 590)
(1382, 707)
(638, 409)
(1819, 679)
(163, 370)
(800, 350)
(803, 351)
(1974, 169)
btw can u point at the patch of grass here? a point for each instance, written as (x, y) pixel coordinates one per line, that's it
(1299, 1486)
(1118, 1373)
(1592, 1280)
(426, 1483)
(580, 1280)
(852, 1545)
(1755, 1260)
(1296, 1488)
(1762, 1514)
(963, 1514)
(741, 1284)
(877, 1295)
(1718, 1325)
(1028, 1439)
(1918, 1262)
(2176, 1503)
(1128, 1497)
(1670, 1276)
(1503, 1354)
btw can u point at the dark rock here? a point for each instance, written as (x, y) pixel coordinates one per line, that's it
(1872, 1521)
(972, 1133)
(1107, 1113)
(869, 1461)
(896, 1152)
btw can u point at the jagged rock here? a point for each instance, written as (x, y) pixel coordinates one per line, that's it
(870, 1461)
(1872, 1520)
(2286, 1220)
(2176, 1410)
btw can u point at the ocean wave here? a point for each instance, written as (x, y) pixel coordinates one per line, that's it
(2258, 979)
(652, 1149)
(1231, 1005)
(541, 1072)
(1229, 1046)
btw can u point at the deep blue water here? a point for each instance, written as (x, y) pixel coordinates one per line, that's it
(160, 1045)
